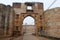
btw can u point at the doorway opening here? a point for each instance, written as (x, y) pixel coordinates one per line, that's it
(29, 25)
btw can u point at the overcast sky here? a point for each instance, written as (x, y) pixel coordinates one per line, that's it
(47, 3)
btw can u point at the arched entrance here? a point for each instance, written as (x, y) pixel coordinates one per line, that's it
(34, 15)
(29, 25)
(18, 27)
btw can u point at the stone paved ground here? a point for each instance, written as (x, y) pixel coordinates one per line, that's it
(26, 37)
(32, 37)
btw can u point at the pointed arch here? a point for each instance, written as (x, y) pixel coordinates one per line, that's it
(29, 20)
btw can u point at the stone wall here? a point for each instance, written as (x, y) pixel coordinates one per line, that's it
(2, 18)
(6, 15)
(22, 7)
(29, 29)
(52, 22)
(11, 21)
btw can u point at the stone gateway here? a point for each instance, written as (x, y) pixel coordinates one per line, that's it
(46, 22)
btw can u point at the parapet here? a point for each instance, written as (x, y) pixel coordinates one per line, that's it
(17, 5)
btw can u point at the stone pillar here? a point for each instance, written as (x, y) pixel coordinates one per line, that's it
(5, 30)
(7, 20)
(36, 20)
(11, 22)
(1, 30)
(3, 19)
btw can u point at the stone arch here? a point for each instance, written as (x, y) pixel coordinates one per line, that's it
(24, 15)
(28, 25)
(29, 17)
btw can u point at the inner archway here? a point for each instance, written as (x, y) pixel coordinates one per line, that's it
(29, 25)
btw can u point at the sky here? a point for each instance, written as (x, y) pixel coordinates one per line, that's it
(46, 3)
(29, 21)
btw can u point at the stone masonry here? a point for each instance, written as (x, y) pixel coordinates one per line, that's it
(21, 12)
(6, 19)
(52, 22)
(11, 19)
